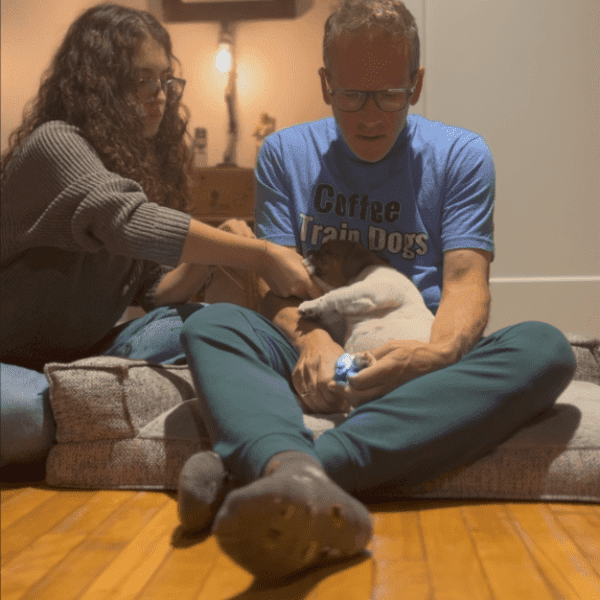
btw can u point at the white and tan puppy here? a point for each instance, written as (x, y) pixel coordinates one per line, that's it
(366, 302)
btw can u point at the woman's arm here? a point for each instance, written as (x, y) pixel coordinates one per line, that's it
(183, 283)
(280, 267)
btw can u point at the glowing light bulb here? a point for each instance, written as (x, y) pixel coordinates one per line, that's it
(224, 60)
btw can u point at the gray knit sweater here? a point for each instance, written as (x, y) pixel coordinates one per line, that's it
(79, 245)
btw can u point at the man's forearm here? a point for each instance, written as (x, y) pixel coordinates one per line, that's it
(460, 321)
(283, 312)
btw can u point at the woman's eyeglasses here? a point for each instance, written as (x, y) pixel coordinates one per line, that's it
(148, 87)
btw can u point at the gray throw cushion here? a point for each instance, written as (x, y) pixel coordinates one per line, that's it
(121, 423)
(129, 424)
(587, 353)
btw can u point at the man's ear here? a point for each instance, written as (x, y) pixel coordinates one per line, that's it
(418, 86)
(324, 86)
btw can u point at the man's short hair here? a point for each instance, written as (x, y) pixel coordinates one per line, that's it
(388, 16)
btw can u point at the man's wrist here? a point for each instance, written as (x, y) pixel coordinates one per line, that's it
(447, 353)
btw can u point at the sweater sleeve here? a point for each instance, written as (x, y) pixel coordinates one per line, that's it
(145, 295)
(59, 194)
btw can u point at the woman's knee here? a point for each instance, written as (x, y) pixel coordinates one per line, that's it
(156, 336)
(28, 430)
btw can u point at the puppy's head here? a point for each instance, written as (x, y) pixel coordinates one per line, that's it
(339, 262)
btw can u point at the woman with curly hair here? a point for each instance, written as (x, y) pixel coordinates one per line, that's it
(93, 193)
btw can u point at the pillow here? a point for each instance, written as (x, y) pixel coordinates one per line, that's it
(122, 423)
(587, 354)
(131, 424)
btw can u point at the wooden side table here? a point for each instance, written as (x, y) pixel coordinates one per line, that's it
(217, 194)
(221, 193)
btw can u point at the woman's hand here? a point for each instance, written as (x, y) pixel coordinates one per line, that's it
(285, 274)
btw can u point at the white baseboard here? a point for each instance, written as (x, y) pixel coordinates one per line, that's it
(568, 279)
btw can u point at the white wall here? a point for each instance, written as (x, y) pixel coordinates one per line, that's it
(525, 74)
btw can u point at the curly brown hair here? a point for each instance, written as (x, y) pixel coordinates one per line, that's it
(90, 84)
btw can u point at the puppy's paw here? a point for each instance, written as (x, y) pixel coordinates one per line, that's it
(311, 309)
(360, 306)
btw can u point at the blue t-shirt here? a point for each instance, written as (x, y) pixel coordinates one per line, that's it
(433, 192)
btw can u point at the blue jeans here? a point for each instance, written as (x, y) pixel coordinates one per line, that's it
(28, 430)
(242, 366)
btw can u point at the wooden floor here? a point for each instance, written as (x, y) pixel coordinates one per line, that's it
(96, 545)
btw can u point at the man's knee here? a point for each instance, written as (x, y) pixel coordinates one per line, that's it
(546, 355)
(211, 318)
(549, 348)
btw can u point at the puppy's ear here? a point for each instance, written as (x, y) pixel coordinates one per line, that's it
(357, 259)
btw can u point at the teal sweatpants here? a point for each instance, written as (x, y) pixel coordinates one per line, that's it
(242, 366)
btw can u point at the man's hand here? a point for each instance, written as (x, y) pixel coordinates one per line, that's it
(314, 371)
(397, 362)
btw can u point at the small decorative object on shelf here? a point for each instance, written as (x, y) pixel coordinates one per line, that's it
(199, 156)
(265, 127)
(220, 193)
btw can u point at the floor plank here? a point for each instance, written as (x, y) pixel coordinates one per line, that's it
(504, 557)
(23, 532)
(7, 493)
(183, 573)
(60, 539)
(584, 531)
(565, 569)
(573, 507)
(401, 562)
(225, 580)
(100, 545)
(350, 583)
(20, 505)
(87, 560)
(132, 568)
(454, 564)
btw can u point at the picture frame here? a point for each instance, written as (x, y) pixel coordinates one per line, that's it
(178, 11)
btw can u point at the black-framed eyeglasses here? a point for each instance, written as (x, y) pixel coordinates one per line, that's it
(391, 100)
(148, 87)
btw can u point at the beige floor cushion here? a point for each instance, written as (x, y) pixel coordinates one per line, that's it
(127, 424)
